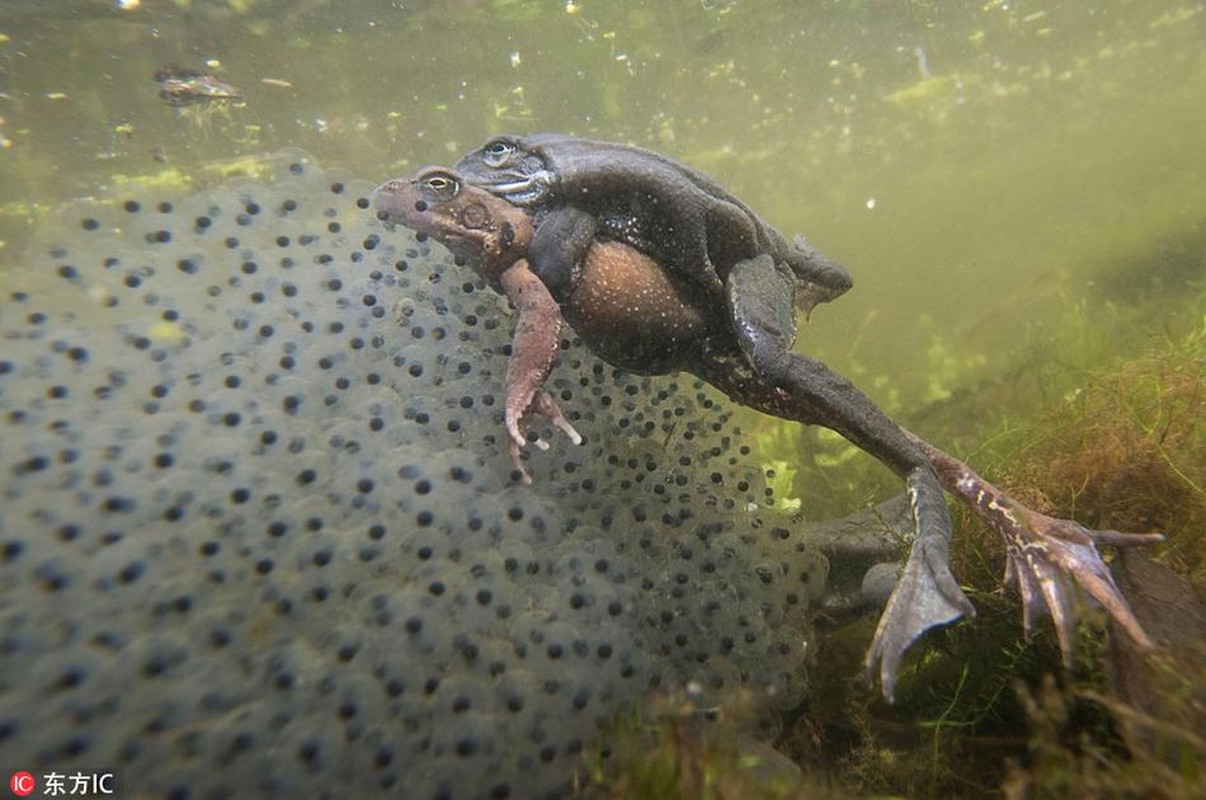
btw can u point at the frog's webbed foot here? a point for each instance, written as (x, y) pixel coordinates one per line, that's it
(927, 595)
(821, 278)
(1046, 556)
(799, 388)
(542, 403)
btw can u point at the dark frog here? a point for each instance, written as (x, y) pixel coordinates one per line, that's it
(638, 314)
(740, 269)
(584, 191)
(686, 221)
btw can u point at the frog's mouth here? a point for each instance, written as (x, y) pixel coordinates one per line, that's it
(387, 202)
(464, 246)
(523, 188)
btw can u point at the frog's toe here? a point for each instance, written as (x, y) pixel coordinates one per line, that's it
(823, 278)
(545, 405)
(514, 433)
(514, 449)
(1047, 556)
(927, 595)
(541, 403)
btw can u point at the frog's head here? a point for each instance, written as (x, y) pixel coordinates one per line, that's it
(508, 167)
(476, 226)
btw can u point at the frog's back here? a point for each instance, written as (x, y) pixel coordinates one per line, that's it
(675, 213)
(589, 161)
(636, 190)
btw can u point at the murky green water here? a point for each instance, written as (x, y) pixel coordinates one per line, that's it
(1009, 183)
(976, 166)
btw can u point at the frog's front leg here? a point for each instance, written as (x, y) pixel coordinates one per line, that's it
(559, 248)
(533, 348)
(760, 298)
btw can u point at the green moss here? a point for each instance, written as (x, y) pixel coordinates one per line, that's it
(1125, 753)
(672, 749)
(1083, 427)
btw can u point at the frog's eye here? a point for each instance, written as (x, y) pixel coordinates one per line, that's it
(497, 152)
(441, 187)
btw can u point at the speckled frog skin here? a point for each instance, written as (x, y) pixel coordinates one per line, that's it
(642, 316)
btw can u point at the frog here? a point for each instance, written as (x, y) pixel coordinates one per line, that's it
(685, 220)
(643, 316)
(585, 190)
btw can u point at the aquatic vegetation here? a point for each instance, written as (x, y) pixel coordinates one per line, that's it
(1129, 451)
(1125, 450)
(1086, 744)
(672, 748)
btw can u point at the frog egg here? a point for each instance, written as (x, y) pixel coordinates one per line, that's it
(259, 531)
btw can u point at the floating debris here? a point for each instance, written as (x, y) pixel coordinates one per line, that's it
(186, 87)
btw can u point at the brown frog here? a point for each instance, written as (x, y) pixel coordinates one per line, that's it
(637, 315)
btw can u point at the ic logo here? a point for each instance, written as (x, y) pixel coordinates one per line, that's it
(22, 784)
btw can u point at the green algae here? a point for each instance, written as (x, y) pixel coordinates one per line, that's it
(1116, 446)
(669, 748)
(982, 711)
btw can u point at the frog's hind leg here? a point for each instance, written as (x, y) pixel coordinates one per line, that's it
(760, 299)
(1044, 554)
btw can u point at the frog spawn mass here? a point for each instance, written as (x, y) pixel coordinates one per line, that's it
(259, 533)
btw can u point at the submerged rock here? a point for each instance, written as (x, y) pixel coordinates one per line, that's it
(259, 532)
